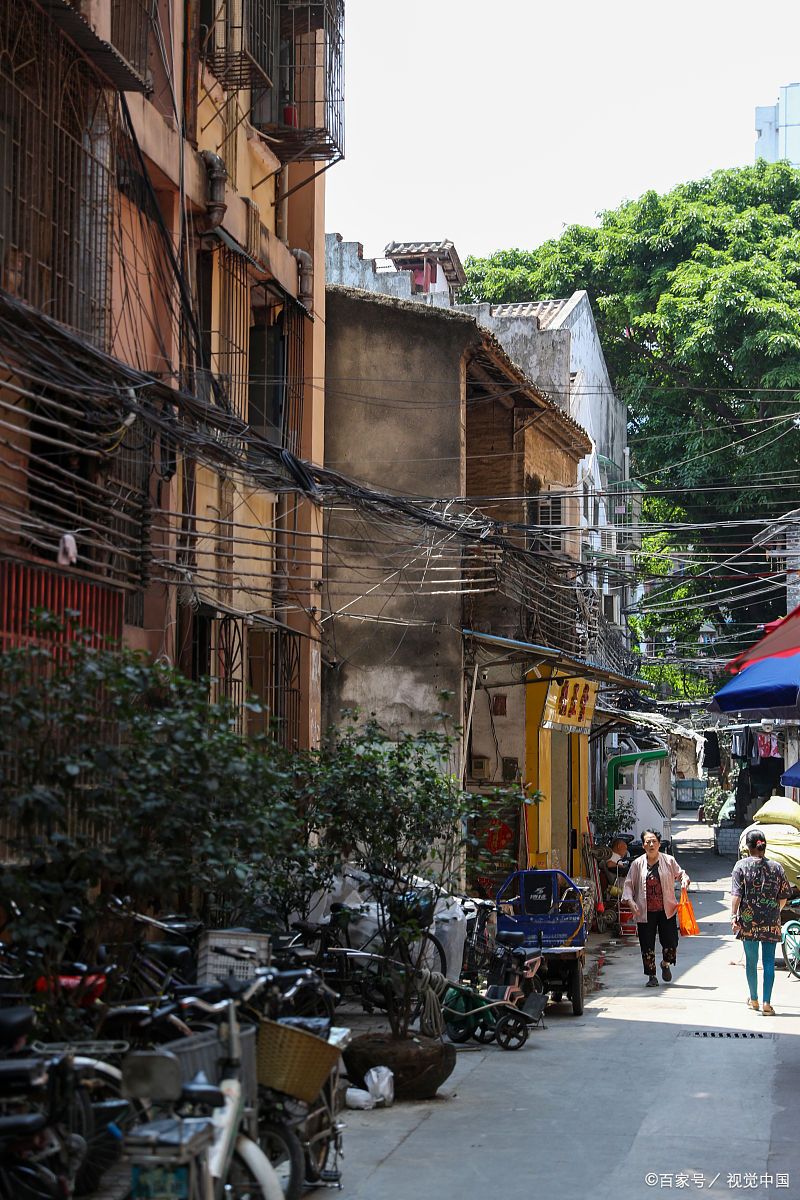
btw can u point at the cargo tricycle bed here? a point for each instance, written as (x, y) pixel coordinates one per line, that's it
(547, 907)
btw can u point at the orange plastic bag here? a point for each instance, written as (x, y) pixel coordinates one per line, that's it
(686, 918)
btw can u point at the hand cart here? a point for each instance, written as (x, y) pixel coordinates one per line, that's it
(511, 1005)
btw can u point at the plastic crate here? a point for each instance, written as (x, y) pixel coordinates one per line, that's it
(207, 1051)
(213, 966)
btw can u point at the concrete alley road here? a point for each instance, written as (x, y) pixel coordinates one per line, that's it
(621, 1103)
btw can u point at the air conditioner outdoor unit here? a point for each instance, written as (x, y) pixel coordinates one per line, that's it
(608, 541)
(479, 766)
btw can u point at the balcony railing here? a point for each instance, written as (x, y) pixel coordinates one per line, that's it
(303, 115)
(132, 32)
(240, 43)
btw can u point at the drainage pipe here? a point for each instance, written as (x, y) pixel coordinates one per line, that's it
(305, 265)
(215, 204)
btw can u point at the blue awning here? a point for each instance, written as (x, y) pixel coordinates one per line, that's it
(770, 687)
(791, 778)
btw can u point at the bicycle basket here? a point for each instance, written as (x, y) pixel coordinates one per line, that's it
(412, 908)
(206, 1052)
(293, 1061)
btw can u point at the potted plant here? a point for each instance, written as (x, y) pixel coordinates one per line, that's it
(398, 810)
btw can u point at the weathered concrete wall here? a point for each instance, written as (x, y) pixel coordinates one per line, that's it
(543, 354)
(568, 347)
(345, 264)
(593, 403)
(395, 403)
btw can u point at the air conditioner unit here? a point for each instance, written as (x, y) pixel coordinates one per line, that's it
(479, 766)
(608, 541)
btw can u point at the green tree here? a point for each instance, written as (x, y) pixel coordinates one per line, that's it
(118, 775)
(697, 299)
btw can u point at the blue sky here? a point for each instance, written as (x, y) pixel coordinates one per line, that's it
(496, 124)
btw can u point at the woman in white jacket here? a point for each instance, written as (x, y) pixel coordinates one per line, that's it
(650, 892)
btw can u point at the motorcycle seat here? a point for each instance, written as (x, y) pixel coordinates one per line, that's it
(514, 937)
(170, 954)
(18, 1075)
(22, 1125)
(14, 1023)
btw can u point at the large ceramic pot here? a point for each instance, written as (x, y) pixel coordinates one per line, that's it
(420, 1064)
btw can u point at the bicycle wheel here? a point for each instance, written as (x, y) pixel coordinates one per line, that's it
(309, 1001)
(426, 953)
(790, 936)
(29, 1181)
(320, 1135)
(242, 1182)
(282, 1147)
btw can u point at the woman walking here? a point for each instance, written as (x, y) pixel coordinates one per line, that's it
(650, 892)
(759, 890)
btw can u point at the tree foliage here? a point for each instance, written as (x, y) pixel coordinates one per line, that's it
(697, 299)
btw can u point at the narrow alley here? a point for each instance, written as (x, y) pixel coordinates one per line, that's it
(633, 1097)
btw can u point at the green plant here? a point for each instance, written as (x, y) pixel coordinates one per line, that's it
(608, 823)
(399, 810)
(715, 797)
(117, 774)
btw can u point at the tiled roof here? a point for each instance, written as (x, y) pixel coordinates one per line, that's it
(444, 252)
(545, 311)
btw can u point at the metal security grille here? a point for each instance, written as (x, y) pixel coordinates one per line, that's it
(276, 385)
(56, 132)
(25, 587)
(132, 31)
(229, 358)
(304, 112)
(227, 676)
(734, 1035)
(240, 42)
(274, 677)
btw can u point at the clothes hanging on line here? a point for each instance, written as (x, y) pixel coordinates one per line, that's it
(768, 745)
(711, 759)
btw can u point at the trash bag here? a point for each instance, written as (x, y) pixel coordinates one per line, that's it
(686, 918)
(379, 1082)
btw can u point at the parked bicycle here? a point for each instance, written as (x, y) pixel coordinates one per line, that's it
(204, 1146)
(373, 969)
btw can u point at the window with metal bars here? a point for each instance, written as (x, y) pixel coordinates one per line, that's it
(57, 127)
(546, 521)
(304, 111)
(25, 587)
(274, 677)
(238, 41)
(223, 302)
(275, 399)
(132, 31)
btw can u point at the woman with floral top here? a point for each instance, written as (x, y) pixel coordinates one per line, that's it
(650, 892)
(759, 890)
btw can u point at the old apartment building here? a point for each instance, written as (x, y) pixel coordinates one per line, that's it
(161, 310)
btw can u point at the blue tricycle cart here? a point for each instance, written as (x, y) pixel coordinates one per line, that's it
(548, 908)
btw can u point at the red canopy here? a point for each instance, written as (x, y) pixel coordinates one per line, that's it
(781, 639)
